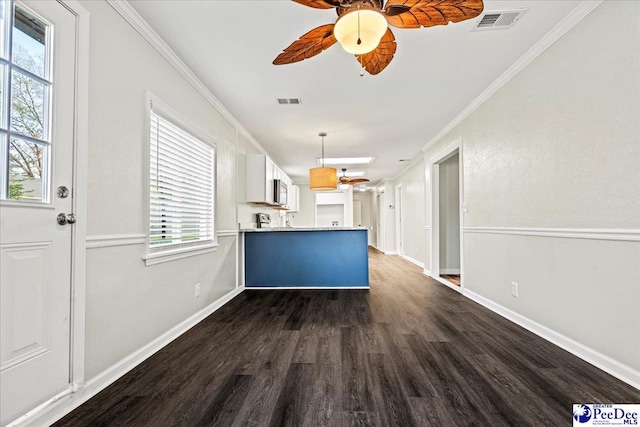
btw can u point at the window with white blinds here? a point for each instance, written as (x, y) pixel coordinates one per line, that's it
(181, 188)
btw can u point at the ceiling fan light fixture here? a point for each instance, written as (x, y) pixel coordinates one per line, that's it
(364, 25)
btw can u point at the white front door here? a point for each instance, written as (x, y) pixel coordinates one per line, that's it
(37, 84)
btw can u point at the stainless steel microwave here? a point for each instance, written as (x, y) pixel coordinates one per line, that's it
(279, 192)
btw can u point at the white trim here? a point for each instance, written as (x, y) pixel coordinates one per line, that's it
(426, 272)
(450, 271)
(56, 410)
(26, 418)
(412, 260)
(80, 168)
(144, 29)
(390, 252)
(456, 147)
(575, 16)
(94, 242)
(296, 288)
(619, 370)
(226, 233)
(176, 254)
(629, 234)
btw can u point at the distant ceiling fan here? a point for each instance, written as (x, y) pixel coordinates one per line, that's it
(362, 29)
(345, 180)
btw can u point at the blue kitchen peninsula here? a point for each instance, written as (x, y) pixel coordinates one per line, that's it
(306, 257)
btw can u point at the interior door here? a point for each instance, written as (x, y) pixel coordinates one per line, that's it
(37, 60)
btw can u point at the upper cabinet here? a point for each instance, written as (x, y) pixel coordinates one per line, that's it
(261, 173)
(260, 178)
(294, 198)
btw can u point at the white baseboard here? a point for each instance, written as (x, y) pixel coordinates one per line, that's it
(413, 261)
(61, 407)
(619, 370)
(450, 271)
(301, 288)
(426, 272)
(390, 252)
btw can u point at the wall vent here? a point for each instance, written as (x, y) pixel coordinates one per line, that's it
(499, 20)
(289, 101)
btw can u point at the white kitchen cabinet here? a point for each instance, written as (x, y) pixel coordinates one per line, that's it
(260, 170)
(294, 198)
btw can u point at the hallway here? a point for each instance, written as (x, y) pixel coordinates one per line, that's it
(408, 352)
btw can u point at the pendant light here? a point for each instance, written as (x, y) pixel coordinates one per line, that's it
(323, 179)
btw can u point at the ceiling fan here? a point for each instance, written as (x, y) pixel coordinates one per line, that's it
(345, 180)
(362, 28)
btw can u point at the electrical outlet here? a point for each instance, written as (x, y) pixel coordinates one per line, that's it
(197, 290)
(514, 289)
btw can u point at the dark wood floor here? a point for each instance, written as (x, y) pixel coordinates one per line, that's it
(452, 278)
(408, 352)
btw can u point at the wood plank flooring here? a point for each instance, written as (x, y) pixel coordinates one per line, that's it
(409, 352)
(452, 278)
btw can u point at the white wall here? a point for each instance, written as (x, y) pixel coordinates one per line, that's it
(413, 212)
(329, 213)
(127, 304)
(449, 208)
(557, 148)
(306, 216)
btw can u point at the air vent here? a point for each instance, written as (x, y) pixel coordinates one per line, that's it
(289, 101)
(499, 20)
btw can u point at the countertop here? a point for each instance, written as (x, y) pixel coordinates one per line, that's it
(272, 229)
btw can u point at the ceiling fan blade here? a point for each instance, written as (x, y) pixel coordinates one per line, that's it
(378, 59)
(358, 181)
(310, 44)
(319, 4)
(427, 13)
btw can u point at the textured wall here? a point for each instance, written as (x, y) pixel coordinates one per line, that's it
(558, 147)
(413, 211)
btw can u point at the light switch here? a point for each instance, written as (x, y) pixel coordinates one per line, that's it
(465, 207)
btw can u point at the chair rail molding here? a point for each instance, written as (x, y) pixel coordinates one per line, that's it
(623, 234)
(105, 241)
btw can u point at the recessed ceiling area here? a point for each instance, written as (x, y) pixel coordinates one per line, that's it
(435, 74)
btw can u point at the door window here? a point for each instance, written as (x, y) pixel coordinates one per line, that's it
(25, 97)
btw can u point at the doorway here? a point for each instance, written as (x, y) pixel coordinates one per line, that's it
(446, 216)
(399, 233)
(380, 238)
(42, 185)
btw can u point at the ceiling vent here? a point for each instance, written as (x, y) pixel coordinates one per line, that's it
(289, 101)
(499, 20)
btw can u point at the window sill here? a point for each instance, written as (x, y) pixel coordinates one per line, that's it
(175, 254)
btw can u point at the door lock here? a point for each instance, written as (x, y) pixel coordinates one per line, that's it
(63, 192)
(64, 218)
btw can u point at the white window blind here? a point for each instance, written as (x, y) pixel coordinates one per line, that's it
(181, 187)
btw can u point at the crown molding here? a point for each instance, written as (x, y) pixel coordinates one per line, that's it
(576, 15)
(144, 29)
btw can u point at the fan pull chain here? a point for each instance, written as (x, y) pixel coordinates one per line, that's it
(361, 67)
(359, 41)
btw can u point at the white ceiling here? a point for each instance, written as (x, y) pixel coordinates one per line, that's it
(435, 74)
